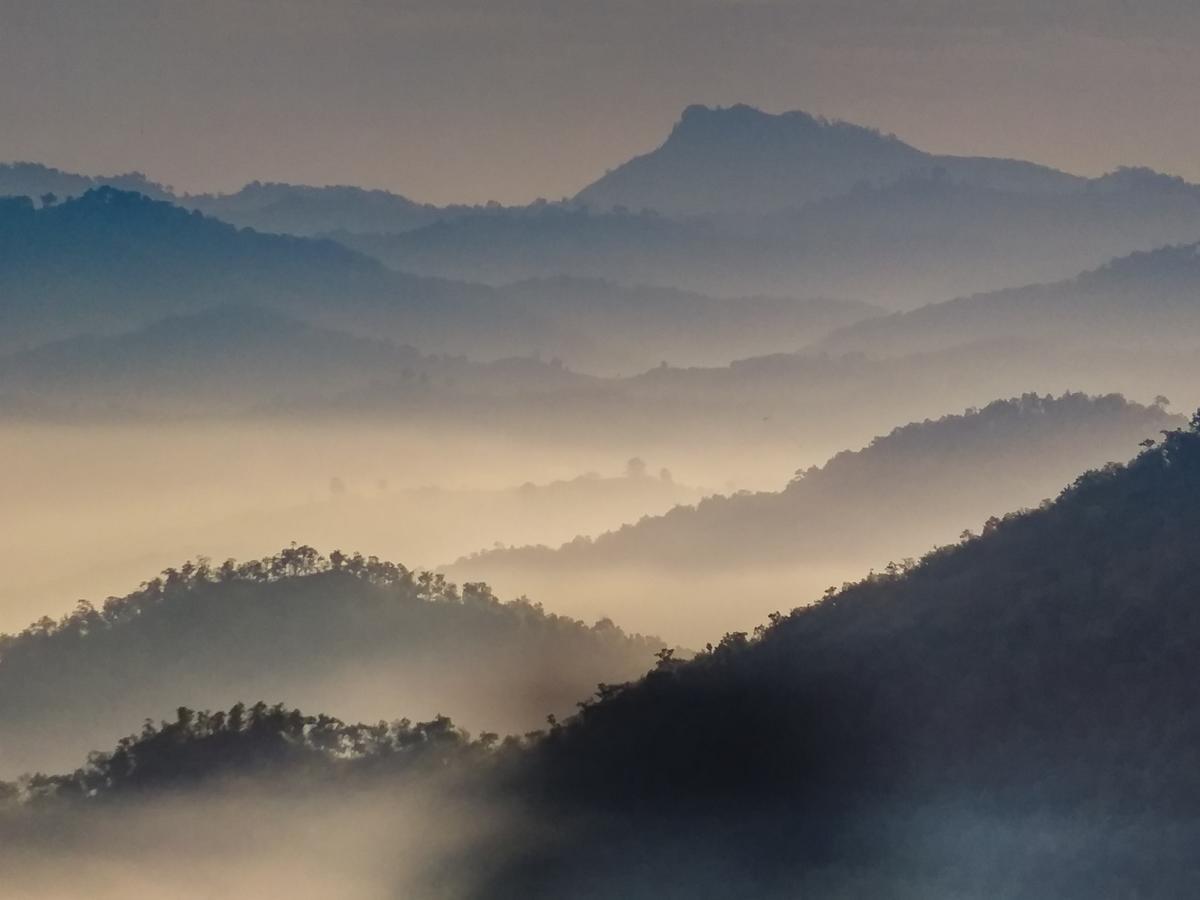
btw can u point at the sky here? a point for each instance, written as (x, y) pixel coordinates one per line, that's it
(474, 100)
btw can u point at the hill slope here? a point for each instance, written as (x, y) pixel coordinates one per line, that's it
(28, 179)
(1014, 716)
(360, 637)
(235, 359)
(907, 242)
(918, 486)
(112, 261)
(1145, 301)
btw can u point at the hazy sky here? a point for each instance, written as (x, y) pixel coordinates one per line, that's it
(512, 99)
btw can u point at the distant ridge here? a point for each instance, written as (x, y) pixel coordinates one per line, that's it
(916, 486)
(35, 180)
(1147, 300)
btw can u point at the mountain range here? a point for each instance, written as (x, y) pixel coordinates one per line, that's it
(1146, 300)
(739, 159)
(111, 261)
(738, 202)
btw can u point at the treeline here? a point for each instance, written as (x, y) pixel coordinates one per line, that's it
(352, 635)
(290, 562)
(257, 741)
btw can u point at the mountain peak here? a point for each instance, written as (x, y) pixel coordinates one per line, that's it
(761, 133)
(741, 159)
(737, 114)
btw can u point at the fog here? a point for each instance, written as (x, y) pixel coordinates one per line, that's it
(730, 561)
(95, 510)
(249, 840)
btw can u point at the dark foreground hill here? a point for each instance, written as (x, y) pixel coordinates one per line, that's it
(1014, 716)
(361, 638)
(900, 244)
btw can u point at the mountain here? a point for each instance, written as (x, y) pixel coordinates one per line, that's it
(904, 243)
(309, 211)
(272, 207)
(109, 260)
(277, 207)
(28, 179)
(918, 486)
(1145, 300)
(234, 359)
(922, 234)
(634, 328)
(1013, 716)
(359, 636)
(742, 160)
(112, 261)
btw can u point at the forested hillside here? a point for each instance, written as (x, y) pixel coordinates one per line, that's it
(110, 262)
(360, 638)
(1012, 716)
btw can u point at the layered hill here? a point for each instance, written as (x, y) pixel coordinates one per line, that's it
(739, 159)
(920, 485)
(279, 207)
(1013, 716)
(1146, 301)
(236, 359)
(306, 210)
(47, 184)
(112, 261)
(358, 636)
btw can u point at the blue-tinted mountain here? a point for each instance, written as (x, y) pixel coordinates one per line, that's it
(1147, 300)
(739, 159)
(113, 259)
(235, 359)
(306, 210)
(29, 179)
